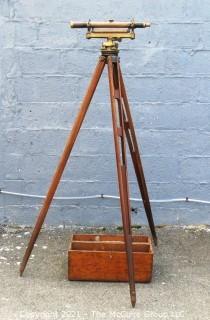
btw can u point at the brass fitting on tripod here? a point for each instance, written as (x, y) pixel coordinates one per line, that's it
(109, 47)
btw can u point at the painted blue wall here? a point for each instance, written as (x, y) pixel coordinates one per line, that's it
(45, 68)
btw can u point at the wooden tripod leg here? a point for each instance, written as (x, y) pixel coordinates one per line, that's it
(119, 141)
(135, 155)
(63, 160)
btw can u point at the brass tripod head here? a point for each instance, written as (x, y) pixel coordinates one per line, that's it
(111, 30)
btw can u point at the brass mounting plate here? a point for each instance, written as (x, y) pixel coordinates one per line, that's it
(115, 34)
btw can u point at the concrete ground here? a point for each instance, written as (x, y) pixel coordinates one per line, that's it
(180, 288)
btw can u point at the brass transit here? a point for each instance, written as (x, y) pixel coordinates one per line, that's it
(111, 30)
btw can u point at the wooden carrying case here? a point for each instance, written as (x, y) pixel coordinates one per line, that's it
(102, 257)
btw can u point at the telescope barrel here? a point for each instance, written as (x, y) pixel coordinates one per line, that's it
(109, 24)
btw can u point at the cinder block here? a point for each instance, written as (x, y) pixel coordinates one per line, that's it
(7, 35)
(161, 169)
(195, 143)
(34, 9)
(165, 61)
(161, 10)
(5, 8)
(78, 61)
(46, 89)
(10, 65)
(195, 169)
(39, 61)
(7, 119)
(62, 10)
(205, 35)
(56, 35)
(145, 61)
(161, 89)
(197, 12)
(195, 61)
(26, 33)
(204, 93)
(174, 143)
(8, 93)
(176, 35)
(160, 116)
(38, 115)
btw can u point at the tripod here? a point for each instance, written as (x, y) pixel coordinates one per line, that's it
(123, 129)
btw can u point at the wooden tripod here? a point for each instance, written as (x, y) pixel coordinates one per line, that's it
(122, 128)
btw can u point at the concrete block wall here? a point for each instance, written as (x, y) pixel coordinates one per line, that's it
(44, 71)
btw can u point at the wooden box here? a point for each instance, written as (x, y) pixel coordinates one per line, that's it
(102, 257)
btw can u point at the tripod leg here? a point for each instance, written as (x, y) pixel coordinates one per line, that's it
(119, 141)
(135, 155)
(63, 160)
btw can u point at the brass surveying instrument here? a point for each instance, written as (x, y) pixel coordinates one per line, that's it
(123, 129)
